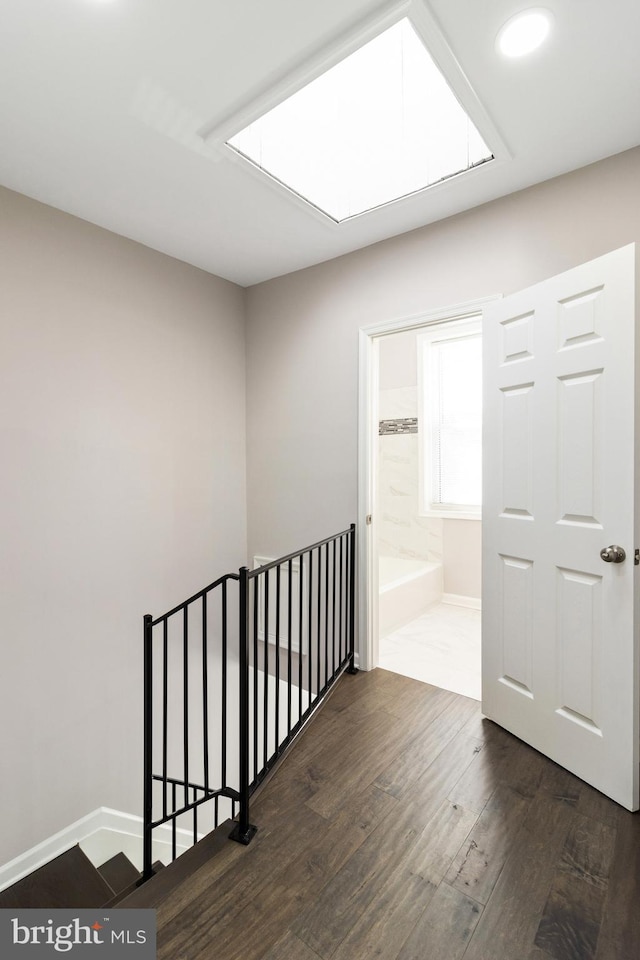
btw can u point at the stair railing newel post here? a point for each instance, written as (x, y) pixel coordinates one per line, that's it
(147, 858)
(244, 831)
(352, 598)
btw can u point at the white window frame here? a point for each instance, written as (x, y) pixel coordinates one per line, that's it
(448, 330)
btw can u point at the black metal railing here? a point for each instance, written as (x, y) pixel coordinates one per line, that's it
(231, 676)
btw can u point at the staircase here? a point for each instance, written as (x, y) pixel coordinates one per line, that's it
(246, 678)
(231, 678)
(214, 845)
(72, 881)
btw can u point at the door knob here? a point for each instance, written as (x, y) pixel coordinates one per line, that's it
(613, 554)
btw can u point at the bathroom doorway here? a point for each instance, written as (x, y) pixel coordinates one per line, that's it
(425, 534)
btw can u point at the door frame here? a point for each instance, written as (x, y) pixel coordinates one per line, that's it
(368, 460)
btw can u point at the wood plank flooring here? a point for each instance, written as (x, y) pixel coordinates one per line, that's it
(403, 826)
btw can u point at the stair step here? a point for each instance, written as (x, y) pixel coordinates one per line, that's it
(70, 880)
(119, 872)
(131, 887)
(160, 886)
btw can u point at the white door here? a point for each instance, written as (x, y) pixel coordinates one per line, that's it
(559, 624)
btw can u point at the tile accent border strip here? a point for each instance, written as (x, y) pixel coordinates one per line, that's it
(401, 425)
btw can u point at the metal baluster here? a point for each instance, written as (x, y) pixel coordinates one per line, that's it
(326, 615)
(148, 746)
(255, 678)
(319, 615)
(265, 663)
(289, 617)
(352, 598)
(165, 711)
(341, 604)
(223, 682)
(244, 831)
(333, 608)
(300, 622)
(205, 695)
(185, 718)
(310, 626)
(173, 822)
(277, 715)
(195, 816)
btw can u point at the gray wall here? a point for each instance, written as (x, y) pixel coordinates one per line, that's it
(122, 489)
(302, 331)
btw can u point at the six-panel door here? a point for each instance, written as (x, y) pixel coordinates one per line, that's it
(560, 656)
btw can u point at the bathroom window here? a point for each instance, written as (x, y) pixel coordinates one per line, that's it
(451, 421)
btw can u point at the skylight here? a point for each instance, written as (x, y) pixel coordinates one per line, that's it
(377, 126)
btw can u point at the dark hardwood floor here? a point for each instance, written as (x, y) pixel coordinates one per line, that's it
(403, 826)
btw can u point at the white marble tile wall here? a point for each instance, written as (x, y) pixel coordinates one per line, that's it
(435, 536)
(397, 403)
(402, 532)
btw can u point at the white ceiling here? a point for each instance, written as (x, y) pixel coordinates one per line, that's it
(103, 104)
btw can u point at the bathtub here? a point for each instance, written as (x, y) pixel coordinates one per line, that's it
(407, 589)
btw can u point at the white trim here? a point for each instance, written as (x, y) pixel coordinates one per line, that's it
(45, 851)
(101, 834)
(474, 603)
(415, 321)
(367, 586)
(450, 68)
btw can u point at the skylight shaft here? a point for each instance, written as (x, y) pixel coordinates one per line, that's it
(377, 126)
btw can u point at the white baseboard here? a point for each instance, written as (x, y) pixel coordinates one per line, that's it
(101, 835)
(473, 602)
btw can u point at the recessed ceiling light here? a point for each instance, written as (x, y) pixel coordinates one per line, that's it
(380, 125)
(524, 33)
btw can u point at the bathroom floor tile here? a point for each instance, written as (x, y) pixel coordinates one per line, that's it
(441, 647)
